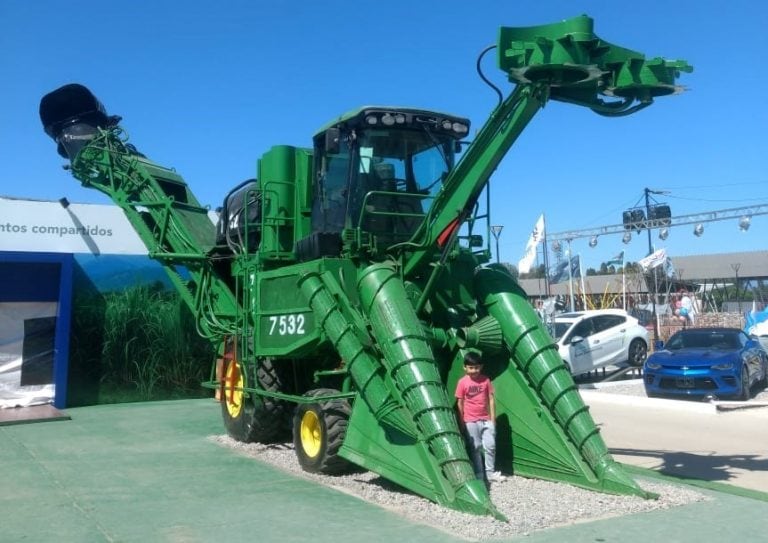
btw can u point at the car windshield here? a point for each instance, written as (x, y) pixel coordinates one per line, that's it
(704, 339)
(643, 316)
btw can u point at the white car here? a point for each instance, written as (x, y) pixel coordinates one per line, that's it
(588, 340)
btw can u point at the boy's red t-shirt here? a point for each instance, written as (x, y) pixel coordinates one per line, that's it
(475, 394)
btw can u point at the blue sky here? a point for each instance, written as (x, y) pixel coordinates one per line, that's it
(208, 87)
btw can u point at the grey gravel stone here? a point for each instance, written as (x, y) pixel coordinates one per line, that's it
(529, 504)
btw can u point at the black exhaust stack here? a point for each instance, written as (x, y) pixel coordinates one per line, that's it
(71, 116)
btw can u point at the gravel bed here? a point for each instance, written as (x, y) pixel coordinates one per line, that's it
(529, 504)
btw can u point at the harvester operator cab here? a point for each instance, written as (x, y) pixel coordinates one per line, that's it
(377, 169)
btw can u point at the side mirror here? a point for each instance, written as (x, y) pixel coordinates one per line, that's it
(475, 240)
(575, 340)
(333, 141)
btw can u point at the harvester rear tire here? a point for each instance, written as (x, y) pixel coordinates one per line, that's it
(318, 433)
(248, 417)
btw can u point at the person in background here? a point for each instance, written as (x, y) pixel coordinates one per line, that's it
(676, 305)
(687, 308)
(477, 417)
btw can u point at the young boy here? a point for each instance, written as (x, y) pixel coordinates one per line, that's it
(477, 415)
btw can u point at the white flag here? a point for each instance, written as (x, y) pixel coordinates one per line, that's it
(524, 266)
(657, 258)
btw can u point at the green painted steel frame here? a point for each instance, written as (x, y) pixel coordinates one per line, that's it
(401, 326)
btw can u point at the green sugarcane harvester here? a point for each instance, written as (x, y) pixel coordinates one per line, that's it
(344, 286)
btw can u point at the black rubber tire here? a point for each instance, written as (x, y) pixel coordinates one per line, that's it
(318, 433)
(745, 391)
(638, 352)
(249, 418)
(763, 383)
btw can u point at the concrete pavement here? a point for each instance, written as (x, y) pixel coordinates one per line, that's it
(687, 439)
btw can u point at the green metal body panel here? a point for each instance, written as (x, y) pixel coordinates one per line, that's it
(284, 172)
(383, 302)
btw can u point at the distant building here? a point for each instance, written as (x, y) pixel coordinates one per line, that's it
(704, 275)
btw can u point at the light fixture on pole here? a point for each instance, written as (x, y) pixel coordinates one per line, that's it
(744, 223)
(496, 231)
(593, 241)
(627, 237)
(698, 230)
(663, 233)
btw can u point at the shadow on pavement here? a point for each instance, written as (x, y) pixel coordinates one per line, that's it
(707, 467)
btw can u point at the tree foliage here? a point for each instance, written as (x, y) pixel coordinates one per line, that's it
(539, 272)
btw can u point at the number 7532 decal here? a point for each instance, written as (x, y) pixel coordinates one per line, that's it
(286, 325)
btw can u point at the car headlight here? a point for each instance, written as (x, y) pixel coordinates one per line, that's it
(726, 366)
(652, 365)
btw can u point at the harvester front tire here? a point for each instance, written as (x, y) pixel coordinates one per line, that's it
(318, 433)
(247, 417)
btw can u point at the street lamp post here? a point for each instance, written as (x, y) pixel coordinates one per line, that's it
(496, 231)
(735, 267)
(654, 270)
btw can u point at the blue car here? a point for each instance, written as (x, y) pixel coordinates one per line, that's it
(699, 362)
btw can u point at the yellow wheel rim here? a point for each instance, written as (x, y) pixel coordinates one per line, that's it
(311, 434)
(233, 389)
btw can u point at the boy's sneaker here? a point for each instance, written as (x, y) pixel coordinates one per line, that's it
(495, 477)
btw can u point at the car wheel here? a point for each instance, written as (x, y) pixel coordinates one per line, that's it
(744, 395)
(638, 352)
(763, 383)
